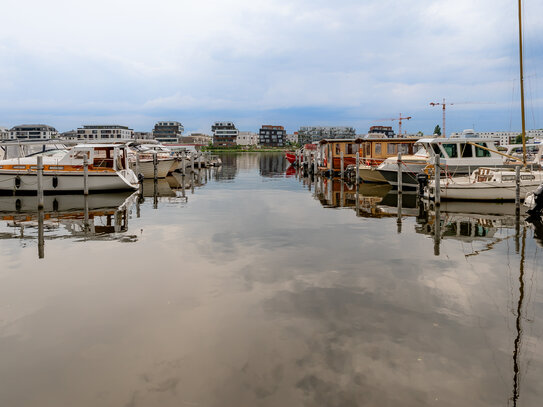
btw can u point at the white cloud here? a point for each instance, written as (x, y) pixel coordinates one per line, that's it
(143, 56)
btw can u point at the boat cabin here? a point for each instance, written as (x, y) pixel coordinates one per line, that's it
(99, 156)
(462, 152)
(331, 150)
(373, 151)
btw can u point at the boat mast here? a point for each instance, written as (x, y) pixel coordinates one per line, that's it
(521, 83)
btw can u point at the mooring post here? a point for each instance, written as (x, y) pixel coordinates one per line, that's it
(315, 163)
(400, 178)
(437, 181)
(40, 182)
(85, 175)
(138, 165)
(183, 164)
(517, 183)
(155, 166)
(342, 164)
(357, 168)
(192, 163)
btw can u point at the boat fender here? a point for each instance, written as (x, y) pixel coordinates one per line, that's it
(17, 182)
(55, 181)
(18, 205)
(55, 205)
(140, 177)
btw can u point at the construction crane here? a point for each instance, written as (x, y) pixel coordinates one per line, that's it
(400, 119)
(444, 105)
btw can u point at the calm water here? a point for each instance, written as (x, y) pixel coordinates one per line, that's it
(251, 287)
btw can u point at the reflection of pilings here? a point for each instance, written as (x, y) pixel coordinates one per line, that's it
(518, 339)
(86, 214)
(41, 238)
(155, 194)
(437, 230)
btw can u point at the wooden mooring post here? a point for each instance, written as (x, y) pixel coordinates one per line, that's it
(40, 182)
(357, 168)
(155, 166)
(437, 181)
(85, 175)
(400, 193)
(342, 164)
(517, 192)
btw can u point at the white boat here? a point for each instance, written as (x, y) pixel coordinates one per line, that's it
(63, 170)
(487, 184)
(457, 156)
(141, 158)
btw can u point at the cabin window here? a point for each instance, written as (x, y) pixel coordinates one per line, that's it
(337, 149)
(377, 148)
(405, 148)
(367, 150)
(351, 148)
(451, 150)
(479, 152)
(465, 150)
(391, 148)
(437, 150)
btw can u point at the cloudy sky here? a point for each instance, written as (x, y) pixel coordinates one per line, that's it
(291, 62)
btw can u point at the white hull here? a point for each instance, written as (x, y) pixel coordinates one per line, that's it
(67, 182)
(464, 188)
(146, 168)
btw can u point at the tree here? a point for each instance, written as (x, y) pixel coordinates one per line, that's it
(437, 130)
(518, 140)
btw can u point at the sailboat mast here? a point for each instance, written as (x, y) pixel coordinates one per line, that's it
(521, 83)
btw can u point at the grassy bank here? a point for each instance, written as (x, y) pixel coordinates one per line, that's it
(239, 149)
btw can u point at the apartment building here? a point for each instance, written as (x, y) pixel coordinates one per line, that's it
(225, 134)
(272, 136)
(168, 132)
(32, 132)
(104, 132)
(247, 138)
(312, 134)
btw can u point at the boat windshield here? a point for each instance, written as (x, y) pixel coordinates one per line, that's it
(27, 150)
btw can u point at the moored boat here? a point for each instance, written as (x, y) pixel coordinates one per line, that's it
(63, 170)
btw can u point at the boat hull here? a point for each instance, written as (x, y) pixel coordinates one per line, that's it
(484, 192)
(371, 174)
(146, 168)
(59, 183)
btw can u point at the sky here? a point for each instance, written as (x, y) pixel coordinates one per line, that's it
(285, 62)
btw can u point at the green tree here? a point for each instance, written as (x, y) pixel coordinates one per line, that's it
(437, 130)
(518, 140)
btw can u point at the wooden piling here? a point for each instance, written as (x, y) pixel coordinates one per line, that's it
(437, 181)
(357, 168)
(85, 175)
(155, 166)
(517, 184)
(400, 178)
(342, 164)
(40, 182)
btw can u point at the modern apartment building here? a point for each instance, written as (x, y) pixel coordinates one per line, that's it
(505, 137)
(292, 138)
(247, 138)
(168, 132)
(386, 130)
(272, 136)
(4, 133)
(317, 133)
(143, 135)
(104, 132)
(225, 134)
(32, 132)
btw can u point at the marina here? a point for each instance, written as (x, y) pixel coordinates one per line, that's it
(251, 283)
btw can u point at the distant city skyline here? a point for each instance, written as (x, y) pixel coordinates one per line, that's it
(291, 63)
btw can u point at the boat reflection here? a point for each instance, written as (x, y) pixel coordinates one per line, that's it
(92, 217)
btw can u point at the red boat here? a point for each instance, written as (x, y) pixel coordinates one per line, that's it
(291, 157)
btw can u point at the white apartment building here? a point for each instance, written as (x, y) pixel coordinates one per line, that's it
(105, 132)
(504, 137)
(4, 133)
(32, 132)
(292, 138)
(247, 138)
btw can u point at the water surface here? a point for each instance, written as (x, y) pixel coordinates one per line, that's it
(253, 287)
